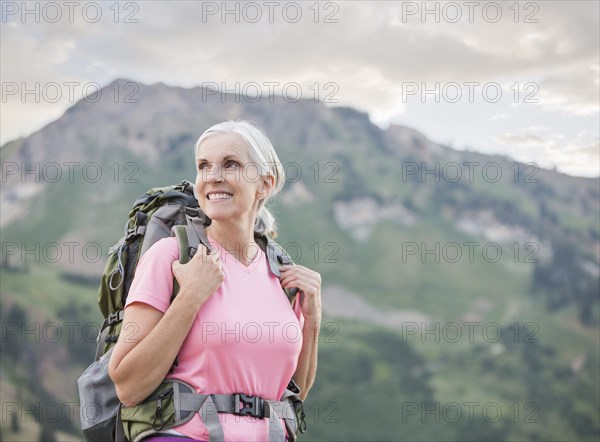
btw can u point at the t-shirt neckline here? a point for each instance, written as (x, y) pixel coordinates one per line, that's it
(228, 257)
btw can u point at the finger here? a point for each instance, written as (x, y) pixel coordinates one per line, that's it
(300, 271)
(288, 278)
(298, 275)
(202, 248)
(292, 270)
(285, 283)
(305, 285)
(204, 254)
(295, 282)
(286, 267)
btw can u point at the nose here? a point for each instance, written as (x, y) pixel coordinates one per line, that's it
(212, 174)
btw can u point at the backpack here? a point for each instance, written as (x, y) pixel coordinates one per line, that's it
(160, 213)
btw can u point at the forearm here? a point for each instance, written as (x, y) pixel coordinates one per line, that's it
(140, 369)
(307, 361)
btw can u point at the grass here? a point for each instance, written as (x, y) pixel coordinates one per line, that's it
(42, 290)
(378, 271)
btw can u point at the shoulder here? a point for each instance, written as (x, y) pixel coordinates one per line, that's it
(159, 257)
(165, 248)
(153, 280)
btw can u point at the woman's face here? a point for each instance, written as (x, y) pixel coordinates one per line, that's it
(227, 182)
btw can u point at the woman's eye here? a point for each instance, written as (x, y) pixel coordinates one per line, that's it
(227, 165)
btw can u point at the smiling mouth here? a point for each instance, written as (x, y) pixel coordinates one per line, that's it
(219, 196)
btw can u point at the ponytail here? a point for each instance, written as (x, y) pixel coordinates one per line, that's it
(265, 223)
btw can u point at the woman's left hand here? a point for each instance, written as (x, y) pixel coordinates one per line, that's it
(308, 283)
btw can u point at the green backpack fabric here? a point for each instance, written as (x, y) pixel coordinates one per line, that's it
(151, 218)
(160, 213)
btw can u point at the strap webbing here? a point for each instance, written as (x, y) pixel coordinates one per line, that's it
(210, 417)
(182, 240)
(196, 232)
(119, 431)
(276, 432)
(210, 405)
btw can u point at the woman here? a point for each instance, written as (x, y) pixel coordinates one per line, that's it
(231, 326)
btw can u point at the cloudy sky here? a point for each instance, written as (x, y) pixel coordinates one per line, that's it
(517, 78)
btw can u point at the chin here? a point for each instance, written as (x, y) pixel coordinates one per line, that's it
(218, 215)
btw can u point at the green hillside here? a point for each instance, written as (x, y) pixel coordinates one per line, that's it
(442, 338)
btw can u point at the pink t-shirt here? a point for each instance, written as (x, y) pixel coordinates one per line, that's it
(246, 338)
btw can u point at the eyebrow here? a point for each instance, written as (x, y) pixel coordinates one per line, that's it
(225, 158)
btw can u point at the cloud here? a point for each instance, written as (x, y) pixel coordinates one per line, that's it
(365, 54)
(578, 155)
(575, 90)
(497, 117)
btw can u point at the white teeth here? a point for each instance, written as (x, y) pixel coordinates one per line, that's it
(218, 196)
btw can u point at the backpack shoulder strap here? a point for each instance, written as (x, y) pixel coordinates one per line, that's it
(189, 237)
(196, 233)
(277, 256)
(180, 233)
(183, 243)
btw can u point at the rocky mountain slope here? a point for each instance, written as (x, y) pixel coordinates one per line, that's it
(410, 237)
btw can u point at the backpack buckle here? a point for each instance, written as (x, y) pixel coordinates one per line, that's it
(132, 233)
(115, 317)
(252, 405)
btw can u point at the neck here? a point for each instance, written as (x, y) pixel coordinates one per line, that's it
(234, 238)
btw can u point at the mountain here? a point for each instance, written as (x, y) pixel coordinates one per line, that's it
(456, 285)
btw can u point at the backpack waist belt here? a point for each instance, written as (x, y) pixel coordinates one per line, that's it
(177, 403)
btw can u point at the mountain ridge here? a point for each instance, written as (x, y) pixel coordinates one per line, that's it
(358, 199)
(398, 134)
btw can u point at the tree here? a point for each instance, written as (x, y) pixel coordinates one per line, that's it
(47, 434)
(15, 427)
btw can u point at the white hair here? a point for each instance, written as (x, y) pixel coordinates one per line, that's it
(263, 155)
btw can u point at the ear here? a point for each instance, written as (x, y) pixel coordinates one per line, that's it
(266, 186)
